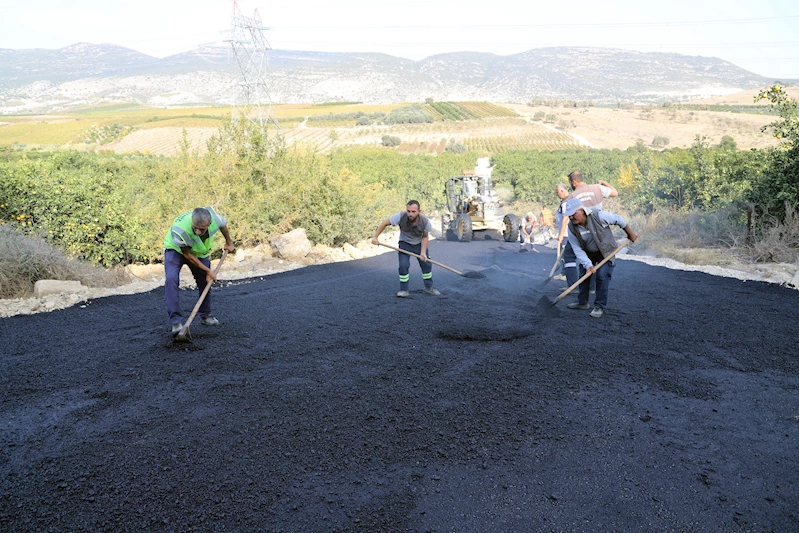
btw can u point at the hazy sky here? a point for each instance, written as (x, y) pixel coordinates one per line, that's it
(762, 37)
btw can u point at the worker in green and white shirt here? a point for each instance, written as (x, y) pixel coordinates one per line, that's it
(189, 242)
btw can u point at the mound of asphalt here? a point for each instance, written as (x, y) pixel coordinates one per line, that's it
(325, 403)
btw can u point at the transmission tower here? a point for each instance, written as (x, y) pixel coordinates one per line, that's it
(250, 48)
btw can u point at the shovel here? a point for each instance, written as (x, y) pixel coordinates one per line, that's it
(554, 267)
(184, 335)
(548, 306)
(473, 275)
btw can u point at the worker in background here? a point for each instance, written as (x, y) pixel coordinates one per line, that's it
(590, 195)
(562, 222)
(415, 229)
(189, 242)
(546, 221)
(526, 231)
(592, 240)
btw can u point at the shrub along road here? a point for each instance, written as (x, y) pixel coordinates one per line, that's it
(325, 403)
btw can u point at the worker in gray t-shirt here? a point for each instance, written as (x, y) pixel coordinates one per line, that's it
(414, 234)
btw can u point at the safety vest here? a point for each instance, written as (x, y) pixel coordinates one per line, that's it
(546, 217)
(181, 234)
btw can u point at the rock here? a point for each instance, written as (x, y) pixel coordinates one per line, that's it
(352, 251)
(293, 245)
(795, 280)
(43, 287)
(146, 272)
(242, 254)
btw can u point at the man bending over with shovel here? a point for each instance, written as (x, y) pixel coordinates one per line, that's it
(188, 242)
(414, 234)
(592, 240)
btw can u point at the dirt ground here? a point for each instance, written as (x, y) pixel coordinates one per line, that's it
(621, 128)
(325, 403)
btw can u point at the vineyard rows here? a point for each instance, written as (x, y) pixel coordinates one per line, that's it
(162, 141)
(318, 139)
(486, 110)
(452, 111)
(527, 141)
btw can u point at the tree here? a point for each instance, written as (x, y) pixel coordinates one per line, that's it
(659, 142)
(787, 127)
(728, 143)
(391, 140)
(779, 187)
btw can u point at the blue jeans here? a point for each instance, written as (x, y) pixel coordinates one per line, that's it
(521, 235)
(405, 265)
(173, 261)
(603, 277)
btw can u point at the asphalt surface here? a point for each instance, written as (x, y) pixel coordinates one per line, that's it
(325, 403)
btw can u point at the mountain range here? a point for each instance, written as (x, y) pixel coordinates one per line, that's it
(85, 72)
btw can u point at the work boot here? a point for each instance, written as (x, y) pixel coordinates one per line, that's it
(210, 321)
(597, 312)
(176, 328)
(403, 294)
(432, 291)
(578, 305)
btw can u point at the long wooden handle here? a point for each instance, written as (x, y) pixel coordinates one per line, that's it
(422, 258)
(588, 274)
(557, 261)
(202, 296)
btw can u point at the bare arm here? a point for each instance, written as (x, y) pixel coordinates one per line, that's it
(228, 241)
(425, 240)
(613, 191)
(562, 233)
(383, 225)
(191, 258)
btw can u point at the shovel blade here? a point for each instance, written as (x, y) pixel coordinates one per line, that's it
(183, 336)
(547, 307)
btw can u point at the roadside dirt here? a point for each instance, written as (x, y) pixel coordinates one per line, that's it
(325, 403)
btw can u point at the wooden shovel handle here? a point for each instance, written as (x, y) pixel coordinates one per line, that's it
(557, 261)
(202, 296)
(422, 258)
(588, 274)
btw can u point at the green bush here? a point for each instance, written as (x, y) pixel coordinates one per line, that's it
(391, 140)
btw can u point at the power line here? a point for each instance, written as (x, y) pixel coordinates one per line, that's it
(484, 43)
(539, 26)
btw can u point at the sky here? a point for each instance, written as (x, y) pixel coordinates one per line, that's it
(762, 37)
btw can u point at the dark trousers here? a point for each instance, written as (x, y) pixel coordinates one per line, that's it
(405, 265)
(173, 261)
(602, 277)
(570, 265)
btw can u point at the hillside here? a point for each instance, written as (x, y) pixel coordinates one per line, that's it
(45, 80)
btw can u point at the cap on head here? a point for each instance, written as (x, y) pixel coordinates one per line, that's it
(571, 206)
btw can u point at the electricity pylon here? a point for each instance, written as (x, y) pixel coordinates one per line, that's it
(250, 47)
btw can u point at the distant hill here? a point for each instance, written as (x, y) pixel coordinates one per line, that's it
(87, 72)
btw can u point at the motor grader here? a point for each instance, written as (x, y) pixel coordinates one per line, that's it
(472, 205)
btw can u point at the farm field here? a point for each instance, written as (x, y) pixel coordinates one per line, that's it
(483, 127)
(621, 128)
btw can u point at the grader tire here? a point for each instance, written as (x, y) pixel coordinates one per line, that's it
(463, 228)
(510, 231)
(446, 229)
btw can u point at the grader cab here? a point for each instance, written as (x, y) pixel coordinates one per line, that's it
(472, 206)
